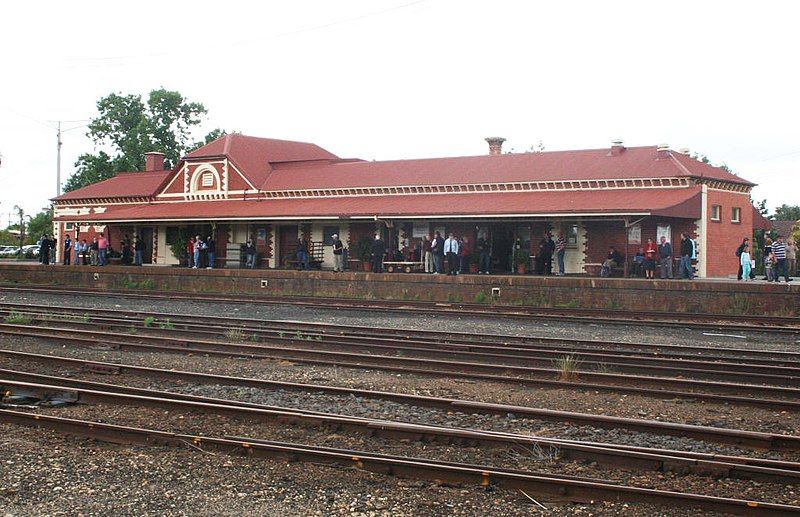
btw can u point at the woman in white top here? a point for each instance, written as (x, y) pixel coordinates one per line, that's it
(745, 261)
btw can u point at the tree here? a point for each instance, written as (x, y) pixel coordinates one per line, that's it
(761, 206)
(39, 224)
(128, 128)
(787, 213)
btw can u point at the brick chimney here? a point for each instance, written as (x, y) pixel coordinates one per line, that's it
(616, 148)
(495, 145)
(154, 161)
(662, 151)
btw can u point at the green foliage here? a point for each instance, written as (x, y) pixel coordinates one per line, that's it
(521, 256)
(147, 284)
(166, 324)
(18, 318)
(567, 366)
(178, 246)
(787, 213)
(363, 248)
(481, 297)
(131, 127)
(148, 321)
(761, 206)
(39, 224)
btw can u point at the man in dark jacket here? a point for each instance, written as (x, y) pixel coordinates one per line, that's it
(67, 250)
(665, 254)
(687, 250)
(338, 253)
(484, 247)
(378, 249)
(44, 250)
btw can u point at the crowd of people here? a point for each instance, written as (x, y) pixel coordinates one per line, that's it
(202, 253)
(95, 253)
(780, 257)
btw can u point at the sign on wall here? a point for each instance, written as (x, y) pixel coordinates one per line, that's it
(663, 230)
(635, 234)
(420, 229)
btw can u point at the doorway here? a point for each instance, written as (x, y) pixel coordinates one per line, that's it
(146, 235)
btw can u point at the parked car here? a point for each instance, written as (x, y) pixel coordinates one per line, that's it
(9, 251)
(30, 251)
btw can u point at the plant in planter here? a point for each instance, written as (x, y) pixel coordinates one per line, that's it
(363, 250)
(521, 260)
(178, 246)
(473, 260)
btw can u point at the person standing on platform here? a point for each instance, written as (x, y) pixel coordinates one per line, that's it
(745, 243)
(190, 252)
(94, 252)
(687, 250)
(485, 258)
(67, 249)
(427, 255)
(451, 251)
(338, 254)
(378, 250)
(464, 249)
(779, 250)
(768, 259)
(650, 253)
(102, 250)
(791, 257)
(196, 250)
(138, 250)
(84, 251)
(302, 254)
(665, 255)
(250, 253)
(76, 251)
(44, 250)
(211, 246)
(437, 249)
(745, 262)
(561, 248)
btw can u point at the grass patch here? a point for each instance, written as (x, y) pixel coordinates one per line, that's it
(235, 335)
(148, 321)
(567, 367)
(481, 297)
(147, 284)
(17, 318)
(166, 325)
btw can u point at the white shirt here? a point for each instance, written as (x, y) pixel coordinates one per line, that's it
(451, 246)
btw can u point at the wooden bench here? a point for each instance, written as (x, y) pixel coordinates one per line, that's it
(408, 267)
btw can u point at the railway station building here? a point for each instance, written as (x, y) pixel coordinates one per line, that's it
(274, 191)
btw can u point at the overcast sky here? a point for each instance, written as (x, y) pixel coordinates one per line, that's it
(391, 79)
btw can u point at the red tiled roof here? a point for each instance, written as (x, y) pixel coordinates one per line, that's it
(675, 202)
(124, 184)
(635, 162)
(255, 156)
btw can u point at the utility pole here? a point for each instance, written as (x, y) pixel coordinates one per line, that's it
(58, 162)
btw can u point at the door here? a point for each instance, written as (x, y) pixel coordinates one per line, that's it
(147, 239)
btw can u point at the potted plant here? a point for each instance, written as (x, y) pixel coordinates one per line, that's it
(363, 249)
(473, 259)
(521, 260)
(178, 247)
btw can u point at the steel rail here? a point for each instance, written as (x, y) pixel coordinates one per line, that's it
(638, 457)
(740, 372)
(428, 336)
(551, 486)
(426, 366)
(494, 311)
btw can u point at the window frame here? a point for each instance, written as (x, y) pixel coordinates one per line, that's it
(737, 212)
(718, 217)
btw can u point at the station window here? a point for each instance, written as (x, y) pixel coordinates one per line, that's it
(736, 214)
(207, 179)
(716, 212)
(69, 227)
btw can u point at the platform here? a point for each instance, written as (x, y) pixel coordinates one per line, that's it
(717, 296)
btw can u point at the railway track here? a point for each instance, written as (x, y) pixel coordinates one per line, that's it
(553, 487)
(746, 439)
(664, 387)
(771, 324)
(715, 367)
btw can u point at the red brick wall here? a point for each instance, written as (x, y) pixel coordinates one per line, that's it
(602, 234)
(723, 235)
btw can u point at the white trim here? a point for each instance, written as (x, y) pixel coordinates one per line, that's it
(572, 215)
(174, 177)
(703, 260)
